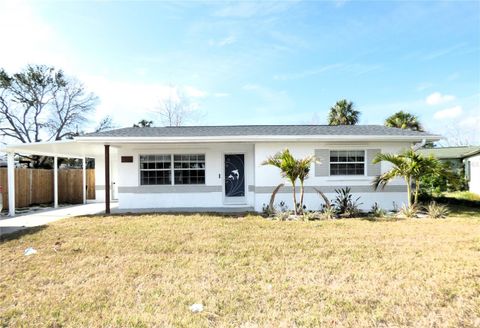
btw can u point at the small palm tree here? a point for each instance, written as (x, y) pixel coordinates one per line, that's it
(404, 120)
(430, 166)
(303, 166)
(403, 165)
(343, 113)
(411, 166)
(292, 169)
(289, 170)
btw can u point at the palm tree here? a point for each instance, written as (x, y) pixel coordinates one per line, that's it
(430, 166)
(404, 165)
(404, 120)
(292, 169)
(303, 166)
(411, 166)
(289, 170)
(143, 124)
(343, 113)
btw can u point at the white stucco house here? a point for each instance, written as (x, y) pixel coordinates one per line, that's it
(216, 168)
(472, 170)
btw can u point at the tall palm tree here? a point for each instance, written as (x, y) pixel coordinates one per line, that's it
(289, 170)
(404, 120)
(343, 113)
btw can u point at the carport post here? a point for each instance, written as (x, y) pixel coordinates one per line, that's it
(107, 179)
(55, 181)
(11, 183)
(84, 179)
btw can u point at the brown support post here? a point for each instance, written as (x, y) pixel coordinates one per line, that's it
(107, 179)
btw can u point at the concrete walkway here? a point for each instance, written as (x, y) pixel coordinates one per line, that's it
(40, 218)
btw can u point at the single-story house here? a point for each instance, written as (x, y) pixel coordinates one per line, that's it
(216, 168)
(463, 159)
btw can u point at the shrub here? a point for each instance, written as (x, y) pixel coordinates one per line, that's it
(345, 204)
(377, 211)
(436, 211)
(409, 211)
(328, 213)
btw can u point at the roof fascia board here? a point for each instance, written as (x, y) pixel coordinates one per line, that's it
(41, 153)
(254, 138)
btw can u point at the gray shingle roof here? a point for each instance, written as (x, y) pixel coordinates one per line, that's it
(259, 130)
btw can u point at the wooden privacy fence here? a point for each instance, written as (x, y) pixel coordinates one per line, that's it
(35, 186)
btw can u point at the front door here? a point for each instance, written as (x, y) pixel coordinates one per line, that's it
(234, 178)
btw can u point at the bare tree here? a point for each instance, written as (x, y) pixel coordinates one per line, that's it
(41, 103)
(105, 124)
(173, 111)
(177, 110)
(456, 136)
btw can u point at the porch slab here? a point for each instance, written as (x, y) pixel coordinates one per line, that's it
(44, 217)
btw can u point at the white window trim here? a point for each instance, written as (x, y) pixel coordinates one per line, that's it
(172, 169)
(348, 175)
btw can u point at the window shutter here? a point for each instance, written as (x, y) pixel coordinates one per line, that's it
(373, 169)
(322, 167)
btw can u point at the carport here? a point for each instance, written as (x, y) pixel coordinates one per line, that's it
(63, 149)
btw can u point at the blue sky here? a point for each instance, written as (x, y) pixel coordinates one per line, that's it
(262, 62)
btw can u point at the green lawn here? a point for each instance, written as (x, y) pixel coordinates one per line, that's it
(146, 270)
(463, 195)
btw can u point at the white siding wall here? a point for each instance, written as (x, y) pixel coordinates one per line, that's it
(270, 176)
(132, 195)
(474, 183)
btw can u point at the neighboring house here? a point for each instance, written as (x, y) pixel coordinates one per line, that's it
(472, 170)
(220, 167)
(464, 160)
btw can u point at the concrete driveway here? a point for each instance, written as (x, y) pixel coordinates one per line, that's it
(40, 218)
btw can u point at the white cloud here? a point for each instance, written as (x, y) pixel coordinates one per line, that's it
(194, 92)
(249, 9)
(221, 94)
(472, 122)
(447, 113)
(437, 98)
(424, 86)
(231, 39)
(27, 39)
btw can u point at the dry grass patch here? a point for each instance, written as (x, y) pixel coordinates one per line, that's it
(143, 271)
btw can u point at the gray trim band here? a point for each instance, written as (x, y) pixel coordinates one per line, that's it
(167, 189)
(99, 187)
(331, 189)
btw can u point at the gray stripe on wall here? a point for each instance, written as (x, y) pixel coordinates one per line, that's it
(373, 169)
(331, 189)
(251, 188)
(99, 187)
(169, 189)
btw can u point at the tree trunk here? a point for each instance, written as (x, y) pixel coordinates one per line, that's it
(417, 188)
(409, 191)
(294, 199)
(302, 192)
